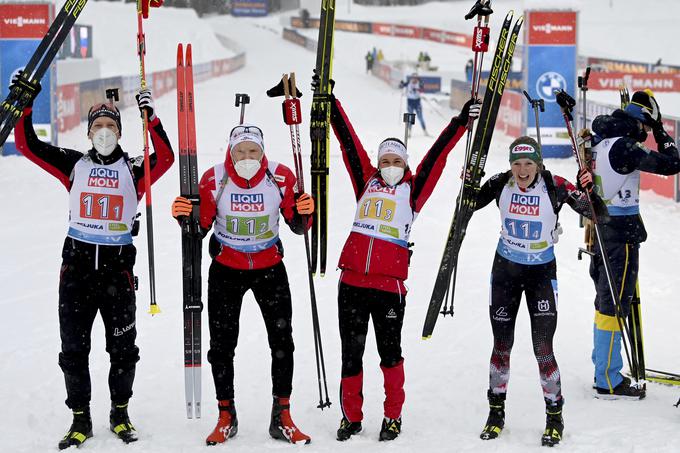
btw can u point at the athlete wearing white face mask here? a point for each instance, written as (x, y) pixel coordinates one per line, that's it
(104, 187)
(242, 200)
(375, 259)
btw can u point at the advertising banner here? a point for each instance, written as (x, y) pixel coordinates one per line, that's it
(550, 64)
(249, 8)
(21, 30)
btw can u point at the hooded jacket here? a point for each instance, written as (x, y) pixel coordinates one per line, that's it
(627, 155)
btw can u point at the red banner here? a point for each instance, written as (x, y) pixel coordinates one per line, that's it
(68, 106)
(447, 37)
(509, 120)
(163, 81)
(402, 31)
(24, 21)
(552, 27)
(613, 80)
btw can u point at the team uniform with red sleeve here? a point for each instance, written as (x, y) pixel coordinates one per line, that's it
(375, 259)
(98, 254)
(247, 255)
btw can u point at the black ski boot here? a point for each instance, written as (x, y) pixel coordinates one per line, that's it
(80, 430)
(348, 429)
(120, 423)
(391, 428)
(554, 424)
(496, 420)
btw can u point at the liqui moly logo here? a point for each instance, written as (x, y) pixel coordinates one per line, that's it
(376, 187)
(243, 202)
(103, 177)
(524, 204)
(20, 21)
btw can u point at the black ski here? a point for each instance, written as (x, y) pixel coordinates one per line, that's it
(19, 97)
(444, 286)
(320, 134)
(192, 238)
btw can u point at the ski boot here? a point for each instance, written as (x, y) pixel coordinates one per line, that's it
(391, 428)
(496, 420)
(227, 423)
(625, 390)
(348, 429)
(120, 423)
(80, 430)
(554, 424)
(282, 427)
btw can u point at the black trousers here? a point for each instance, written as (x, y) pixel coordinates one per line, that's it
(226, 288)
(624, 260)
(355, 306)
(97, 279)
(539, 284)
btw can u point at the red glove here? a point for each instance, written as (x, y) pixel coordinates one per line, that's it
(304, 204)
(181, 207)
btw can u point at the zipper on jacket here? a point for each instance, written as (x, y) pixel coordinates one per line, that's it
(250, 261)
(368, 256)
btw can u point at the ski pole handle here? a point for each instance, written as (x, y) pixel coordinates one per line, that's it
(409, 120)
(480, 39)
(241, 100)
(291, 106)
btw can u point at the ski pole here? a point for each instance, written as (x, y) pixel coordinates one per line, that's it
(536, 104)
(409, 120)
(242, 100)
(292, 116)
(567, 104)
(586, 155)
(583, 87)
(142, 11)
(480, 45)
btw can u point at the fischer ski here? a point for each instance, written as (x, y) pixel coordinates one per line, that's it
(192, 239)
(445, 282)
(320, 134)
(20, 94)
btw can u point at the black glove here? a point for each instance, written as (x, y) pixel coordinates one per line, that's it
(277, 90)
(584, 180)
(471, 109)
(316, 81)
(145, 102)
(480, 8)
(20, 81)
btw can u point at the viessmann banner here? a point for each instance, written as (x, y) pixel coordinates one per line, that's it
(22, 27)
(551, 54)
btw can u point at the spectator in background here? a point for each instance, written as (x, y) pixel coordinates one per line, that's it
(369, 61)
(304, 15)
(468, 70)
(380, 57)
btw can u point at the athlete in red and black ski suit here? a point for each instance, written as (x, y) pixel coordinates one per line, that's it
(98, 253)
(375, 260)
(529, 200)
(247, 255)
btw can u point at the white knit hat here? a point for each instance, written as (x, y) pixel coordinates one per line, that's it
(392, 146)
(246, 133)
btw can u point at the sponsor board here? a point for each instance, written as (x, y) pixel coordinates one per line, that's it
(24, 21)
(612, 81)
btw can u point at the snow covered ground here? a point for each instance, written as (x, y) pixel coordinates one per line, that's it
(446, 376)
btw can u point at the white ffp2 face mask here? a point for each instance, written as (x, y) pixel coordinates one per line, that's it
(392, 175)
(247, 168)
(104, 141)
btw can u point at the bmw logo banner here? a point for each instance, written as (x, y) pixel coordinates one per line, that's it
(550, 64)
